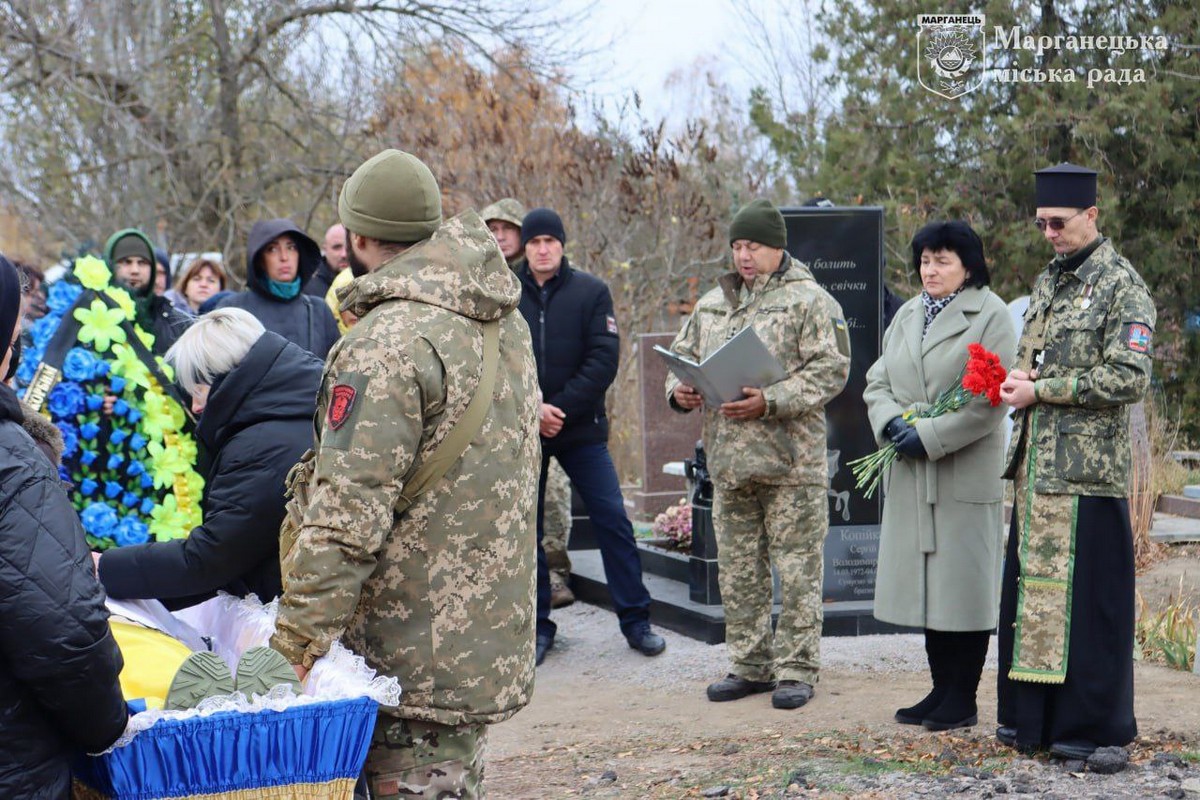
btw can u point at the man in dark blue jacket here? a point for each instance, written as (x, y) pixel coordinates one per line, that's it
(575, 343)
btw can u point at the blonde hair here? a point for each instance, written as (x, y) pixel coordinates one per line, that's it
(215, 344)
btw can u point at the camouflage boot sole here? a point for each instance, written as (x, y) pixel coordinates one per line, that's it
(260, 669)
(201, 675)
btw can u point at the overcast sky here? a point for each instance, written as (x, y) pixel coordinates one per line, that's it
(652, 38)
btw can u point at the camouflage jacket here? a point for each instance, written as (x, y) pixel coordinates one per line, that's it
(440, 596)
(803, 327)
(1093, 329)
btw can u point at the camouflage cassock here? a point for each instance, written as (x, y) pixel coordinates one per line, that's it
(1068, 586)
(556, 523)
(440, 596)
(770, 474)
(1092, 328)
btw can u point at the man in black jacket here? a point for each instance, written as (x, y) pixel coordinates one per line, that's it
(335, 257)
(59, 663)
(575, 343)
(134, 265)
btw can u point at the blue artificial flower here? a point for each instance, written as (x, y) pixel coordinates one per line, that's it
(88, 486)
(63, 475)
(28, 368)
(88, 456)
(118, 435)
(70, 437)
(120, 408)
(65, 400)
(115, 460)
(112, 489)
(129, 500)
(135, 469)
(147, 480)
(89, 430)
(134, 415)
(42, 331)
(61, 295)
(131, 530)
(94, 401)
(118, 384)
(147, 506)
(137, 442)
(79, 364)
(101, 368)
(99, 520)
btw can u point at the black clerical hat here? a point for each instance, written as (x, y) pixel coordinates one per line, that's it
(1066, 186)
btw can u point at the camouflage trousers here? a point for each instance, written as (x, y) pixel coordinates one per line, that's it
(557, 523)
(758, 527)
(411, 759)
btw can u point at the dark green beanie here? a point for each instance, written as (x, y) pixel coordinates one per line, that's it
(131, 245)
(759, 221)
(392, 197)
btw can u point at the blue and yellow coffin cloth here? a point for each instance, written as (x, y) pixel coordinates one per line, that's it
(307, 751)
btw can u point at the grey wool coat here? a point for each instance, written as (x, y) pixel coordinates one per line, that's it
(941, 542)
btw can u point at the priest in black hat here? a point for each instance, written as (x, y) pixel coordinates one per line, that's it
(1067, 603)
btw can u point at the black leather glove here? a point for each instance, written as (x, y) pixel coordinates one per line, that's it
(909, 444)
(895, 429)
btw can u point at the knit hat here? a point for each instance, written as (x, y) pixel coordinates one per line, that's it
(542, 222)
(759, 221)
(507, 210)
(392, 197)
(164, 263)
(130, 245)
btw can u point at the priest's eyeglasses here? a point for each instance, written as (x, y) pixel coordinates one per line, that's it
(1056, 223)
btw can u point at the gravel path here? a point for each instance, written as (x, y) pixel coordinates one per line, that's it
(588, 640)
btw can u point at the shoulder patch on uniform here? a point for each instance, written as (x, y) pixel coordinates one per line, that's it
(842, 335)
(611, 322)
(341, 403)
(1137, 337)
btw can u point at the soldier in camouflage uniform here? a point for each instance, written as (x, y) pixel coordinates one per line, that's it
(503, 219)
(1067, 601)
(766, 454)
(439, 593)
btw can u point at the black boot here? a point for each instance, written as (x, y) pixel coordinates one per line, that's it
(935, 653)
(957, 709)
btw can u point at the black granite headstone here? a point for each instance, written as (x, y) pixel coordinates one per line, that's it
(844, 249)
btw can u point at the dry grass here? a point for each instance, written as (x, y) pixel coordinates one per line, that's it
(1167, 634)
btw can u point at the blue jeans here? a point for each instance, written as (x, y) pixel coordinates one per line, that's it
(591, 470)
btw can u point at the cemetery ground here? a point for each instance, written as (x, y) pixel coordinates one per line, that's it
(606, 722)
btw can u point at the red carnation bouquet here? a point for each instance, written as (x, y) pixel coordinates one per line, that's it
(981, 377)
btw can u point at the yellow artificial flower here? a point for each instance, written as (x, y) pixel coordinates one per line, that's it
(127, 365)
(101, 325)
(122, 299)
(147, 338)
(161, 415)
(167, 522)
(92, 273)
(166, 368)
(166, 462)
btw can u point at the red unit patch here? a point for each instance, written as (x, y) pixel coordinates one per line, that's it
(1139, 338)
(341, 405)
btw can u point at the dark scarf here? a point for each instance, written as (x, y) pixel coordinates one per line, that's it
(934, 307)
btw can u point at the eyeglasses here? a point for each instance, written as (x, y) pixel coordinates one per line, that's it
(1056, 223)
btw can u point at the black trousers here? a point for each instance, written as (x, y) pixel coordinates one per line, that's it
(1095, 703)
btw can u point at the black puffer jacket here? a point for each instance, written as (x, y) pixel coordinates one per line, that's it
(303, 319)
(257, 424)
(577, 349)
(58, 660)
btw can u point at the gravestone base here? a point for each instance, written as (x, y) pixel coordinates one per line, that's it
(671, 607)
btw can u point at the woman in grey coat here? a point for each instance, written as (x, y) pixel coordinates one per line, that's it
(940, 547)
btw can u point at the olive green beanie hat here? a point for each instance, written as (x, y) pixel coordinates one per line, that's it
(759, 221)
(392, 197)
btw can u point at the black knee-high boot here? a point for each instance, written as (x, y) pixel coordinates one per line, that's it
(966, 652)
(935, 652)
